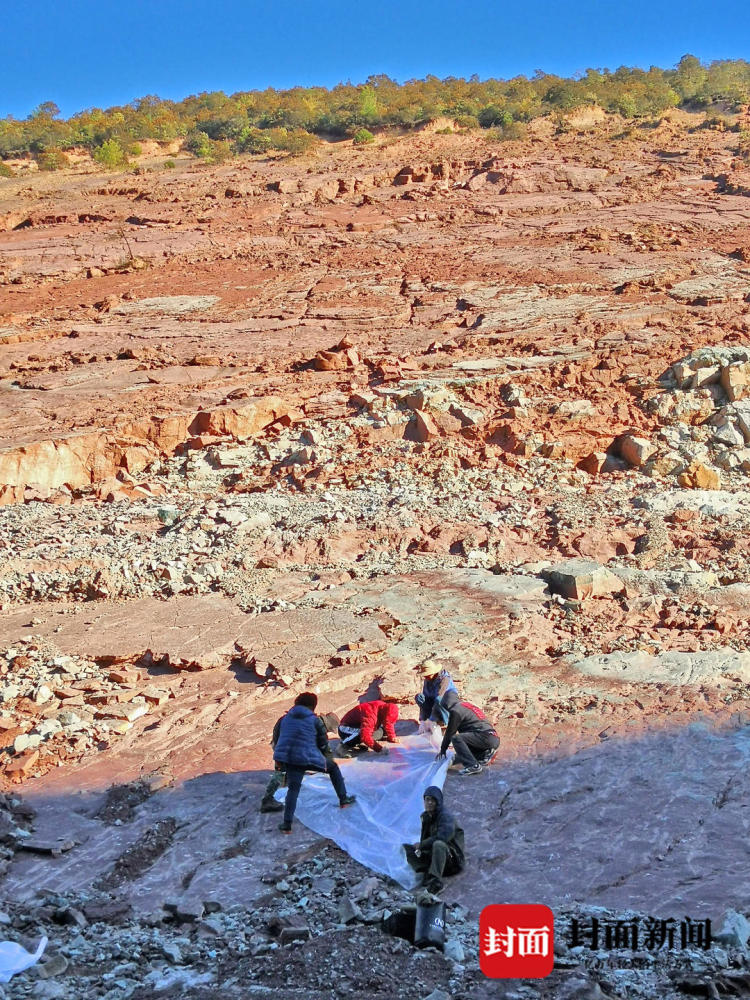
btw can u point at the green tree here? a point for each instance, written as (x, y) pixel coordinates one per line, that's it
(199, 144)
(729, 81)
(362, 137)
(52, 159)
(689, 78)
(47, 109)
(626, 104)
(494, 115)
(566, 95)
(296, 142)
(368, 105)
(252, 140)
(110, 154)
(508, 133)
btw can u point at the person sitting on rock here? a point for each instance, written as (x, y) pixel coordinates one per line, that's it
(303, 746)
(365, 724)
(437, 682)
(278, 778)
(440, 850)
(470, 731)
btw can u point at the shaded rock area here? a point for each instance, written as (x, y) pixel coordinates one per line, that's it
(329, 417)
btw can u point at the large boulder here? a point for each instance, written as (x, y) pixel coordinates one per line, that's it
(578, 579)
(635, 450)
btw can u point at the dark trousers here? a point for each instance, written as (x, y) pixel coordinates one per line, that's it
(294, 776)
(352, 741)
(433, 862)
(426, 706)
(276, 781)
(469, 746)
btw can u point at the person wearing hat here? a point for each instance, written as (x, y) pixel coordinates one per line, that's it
(437, 682)
(303, 746)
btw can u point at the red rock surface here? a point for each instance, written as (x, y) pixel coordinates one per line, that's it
(281, 424)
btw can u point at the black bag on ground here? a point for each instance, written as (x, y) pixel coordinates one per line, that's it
(401, 924)
(430, 926)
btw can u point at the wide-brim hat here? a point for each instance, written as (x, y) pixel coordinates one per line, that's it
(429, 668)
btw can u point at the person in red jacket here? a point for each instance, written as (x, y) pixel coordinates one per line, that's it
(367, 723)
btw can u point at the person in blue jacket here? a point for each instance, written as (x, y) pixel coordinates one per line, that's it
(303, 746)
(437, 682)
(278, 778)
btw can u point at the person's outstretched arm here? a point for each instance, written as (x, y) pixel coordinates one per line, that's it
(450, 732)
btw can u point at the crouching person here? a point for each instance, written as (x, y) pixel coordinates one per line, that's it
(440, 850)
(436, 682)
(303, 746)
(366, 724)
(470, 732)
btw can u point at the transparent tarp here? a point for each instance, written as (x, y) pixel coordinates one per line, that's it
(15, 959)
(389, 792)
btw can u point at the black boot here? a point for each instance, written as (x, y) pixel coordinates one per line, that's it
(270, 805)
(432, 885)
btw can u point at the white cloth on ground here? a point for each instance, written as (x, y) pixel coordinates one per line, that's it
(389, 803)
(15, 959)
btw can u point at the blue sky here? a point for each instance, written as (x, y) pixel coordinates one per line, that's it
(85, 53)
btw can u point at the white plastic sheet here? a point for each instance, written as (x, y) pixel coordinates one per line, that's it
(389, 792)
(15, 959)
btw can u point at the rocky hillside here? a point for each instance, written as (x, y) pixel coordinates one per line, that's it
(285, 424)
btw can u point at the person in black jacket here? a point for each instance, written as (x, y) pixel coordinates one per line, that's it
(472, 735)
(440, 850)
(303, 746)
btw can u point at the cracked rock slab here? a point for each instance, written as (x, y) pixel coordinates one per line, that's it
(168, 304)
(669, 667)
